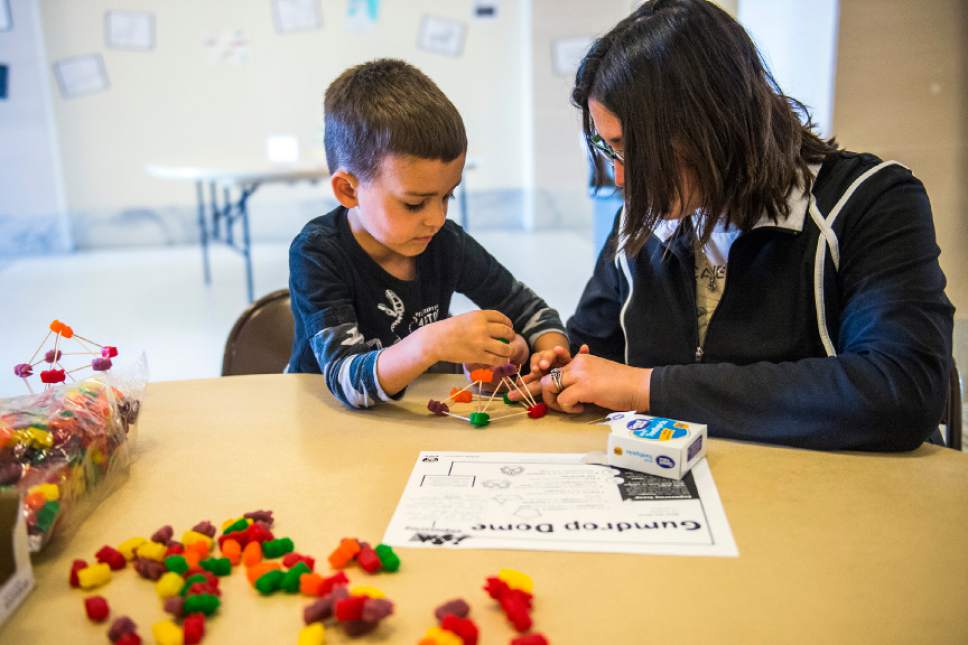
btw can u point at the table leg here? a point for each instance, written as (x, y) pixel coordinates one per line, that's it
(246, 242)
(216, 213)
(203, 230)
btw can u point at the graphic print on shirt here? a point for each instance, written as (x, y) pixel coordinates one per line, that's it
(395, 310)
(423, 317)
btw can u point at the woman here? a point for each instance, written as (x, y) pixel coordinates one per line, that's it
(759, 279)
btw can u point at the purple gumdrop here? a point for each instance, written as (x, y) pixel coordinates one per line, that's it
(260, 516)
(23, 370)
(205, 528)
(358, 627)
(318, 611)
(101, 364)
(52, 357)
(457, 607)
(175, 606)
(163, 535)
(122, 626)
(376, 609)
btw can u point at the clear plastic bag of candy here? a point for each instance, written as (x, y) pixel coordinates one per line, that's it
(67, 448)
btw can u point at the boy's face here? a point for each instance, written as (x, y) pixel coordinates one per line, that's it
(404, 205)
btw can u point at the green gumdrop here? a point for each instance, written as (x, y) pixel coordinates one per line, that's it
(176, 563)
(507, 399)
(479, 419)
(269, 582)
(239, 525)
(203, 602)
(290, 583)
(389, 559)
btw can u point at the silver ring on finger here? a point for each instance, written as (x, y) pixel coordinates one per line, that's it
(556, 380)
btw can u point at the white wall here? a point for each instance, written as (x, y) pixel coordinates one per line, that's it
(31, 194)
(171, 105)
(798, 40)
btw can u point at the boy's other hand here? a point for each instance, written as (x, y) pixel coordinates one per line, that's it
(472, 338)
(543, 362)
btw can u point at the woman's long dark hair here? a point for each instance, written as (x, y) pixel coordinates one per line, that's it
(691, 90)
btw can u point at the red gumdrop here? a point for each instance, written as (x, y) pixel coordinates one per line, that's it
(52, 376)
(194, 628)
(463, 627)
(97, 608)
(496, 588)
(76, 566)
(111, 557)
(537, 410)
(129, 638)
(349, 608)
(109, 351)
(530, 639)
(369, 560)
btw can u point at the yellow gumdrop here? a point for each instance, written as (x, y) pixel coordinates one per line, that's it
(152, 551)
(229, 522)
(312, 634)
(516, 580)
(190, 537)
(365, 590)
(94, 576)
(51, 492)
(167, 633)
(40, 438)
(128, 547)
(443, 636)
(169, 585)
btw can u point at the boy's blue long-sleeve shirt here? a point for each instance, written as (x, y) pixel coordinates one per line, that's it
(763, 373)
(347, 308)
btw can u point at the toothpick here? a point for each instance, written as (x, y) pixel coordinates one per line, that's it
(85, 346)
(457, 416)
(44, 342)
(507, 416)
(77, 369)
(519, 390)
(493, 394)
(526, 390)
(466, 387)
(29, 389)
(78, 336)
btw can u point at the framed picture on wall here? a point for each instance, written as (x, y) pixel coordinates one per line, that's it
(441, 36)
(133, 30)
(296, 15)
(3, 82)
(81, 75)
(6, 19)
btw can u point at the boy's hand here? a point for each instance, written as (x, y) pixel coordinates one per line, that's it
(471, 338)
(519, 354)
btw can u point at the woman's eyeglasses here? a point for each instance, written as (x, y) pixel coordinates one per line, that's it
(596, 142)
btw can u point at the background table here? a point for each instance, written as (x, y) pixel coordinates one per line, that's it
(834, 547)
(234, 207)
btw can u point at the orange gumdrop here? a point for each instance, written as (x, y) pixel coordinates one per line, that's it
(192, 557)
(200, 547)
(251, 554)
(461, 397)
(66, 331)
(232, 550)
(56, 326)
(259, 569)
(482, 375)
(35, 500)
(311, 584)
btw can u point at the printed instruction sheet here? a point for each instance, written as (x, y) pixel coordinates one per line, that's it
(555, 502)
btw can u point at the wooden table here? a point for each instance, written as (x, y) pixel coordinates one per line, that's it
(834, 547)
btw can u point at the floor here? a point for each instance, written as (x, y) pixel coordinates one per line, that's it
(153, 300)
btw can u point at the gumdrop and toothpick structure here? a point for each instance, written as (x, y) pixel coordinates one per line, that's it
(504, 376)
(57, 373)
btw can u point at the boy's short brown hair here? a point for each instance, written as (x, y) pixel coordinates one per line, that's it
(387, 106)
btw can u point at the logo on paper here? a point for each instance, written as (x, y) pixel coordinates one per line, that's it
(665, 462)
(659, 429)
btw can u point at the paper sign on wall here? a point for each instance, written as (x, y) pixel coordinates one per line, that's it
(229, 46)
(81, 75)
(296, 15)
(361, 15)
(441, 36)
(6, 20)
(485, 9)
(566, 54)
(129, 30)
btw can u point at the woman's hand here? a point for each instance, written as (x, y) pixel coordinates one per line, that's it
(595, 380)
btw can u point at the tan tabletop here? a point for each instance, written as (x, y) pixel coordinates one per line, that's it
(834, 548)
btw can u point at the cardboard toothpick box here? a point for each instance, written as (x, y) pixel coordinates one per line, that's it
(16, 576)
(654, 445)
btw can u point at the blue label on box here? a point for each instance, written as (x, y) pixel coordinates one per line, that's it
(694, 448)
(657, 428)
(665, 462)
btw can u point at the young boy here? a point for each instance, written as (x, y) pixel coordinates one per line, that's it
(371, 281)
